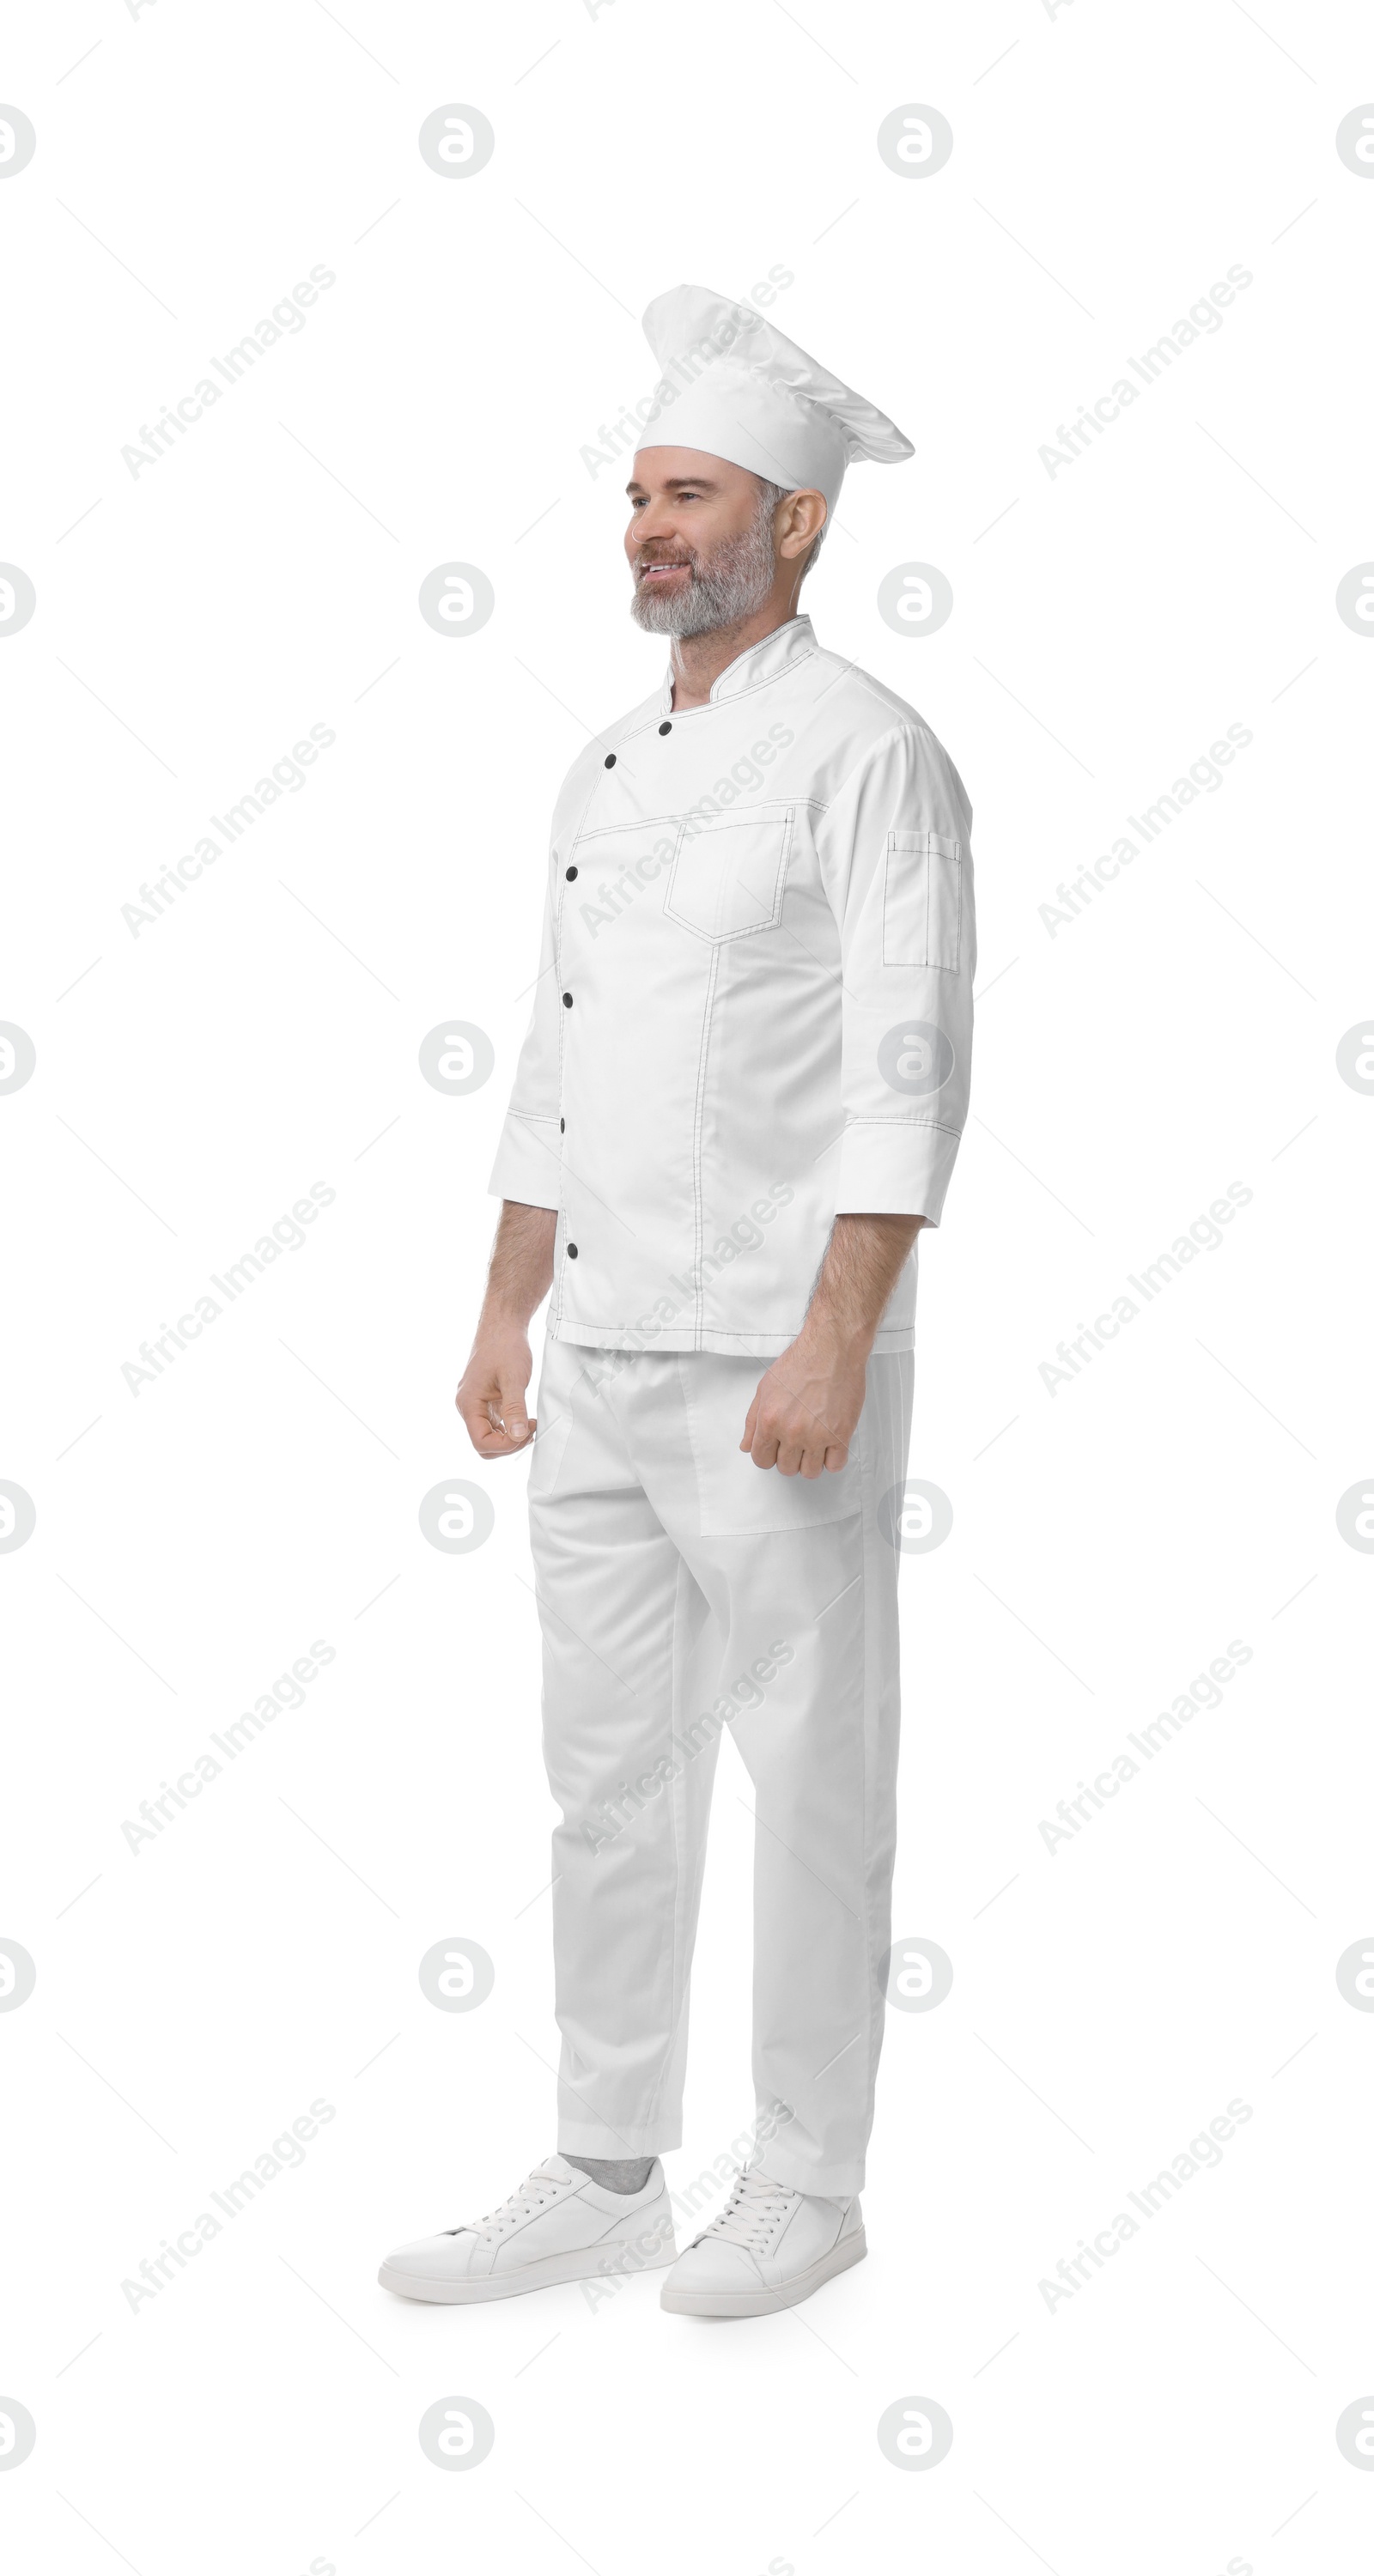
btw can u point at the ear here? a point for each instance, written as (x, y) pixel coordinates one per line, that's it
(801, 518)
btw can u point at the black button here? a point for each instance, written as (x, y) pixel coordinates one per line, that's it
(665, 728)
(570, 873)
(610, 760)
(572, 1252)
(567, 1001)
(562, 1123)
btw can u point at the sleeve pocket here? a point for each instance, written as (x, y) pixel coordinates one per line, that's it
(923, 894)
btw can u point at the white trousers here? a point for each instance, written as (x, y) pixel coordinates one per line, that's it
(682, 1589)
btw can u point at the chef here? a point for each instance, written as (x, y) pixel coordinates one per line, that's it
(739, 1100)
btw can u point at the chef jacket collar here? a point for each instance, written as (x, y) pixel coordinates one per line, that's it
(765, 660)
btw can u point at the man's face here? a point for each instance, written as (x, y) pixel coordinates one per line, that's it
(699, 542)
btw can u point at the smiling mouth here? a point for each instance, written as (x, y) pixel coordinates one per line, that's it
(659, 571)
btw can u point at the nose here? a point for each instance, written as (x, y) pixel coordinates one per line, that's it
(653, 525)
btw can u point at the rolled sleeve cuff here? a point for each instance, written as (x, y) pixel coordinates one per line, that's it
(528, 1162)
(895, 1167)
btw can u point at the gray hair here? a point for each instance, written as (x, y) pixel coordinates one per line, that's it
(769, 496)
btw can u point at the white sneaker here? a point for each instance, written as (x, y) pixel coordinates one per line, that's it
(769, 2248)
(559, 2226)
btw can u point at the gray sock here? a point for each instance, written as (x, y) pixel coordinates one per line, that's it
(615, 2173)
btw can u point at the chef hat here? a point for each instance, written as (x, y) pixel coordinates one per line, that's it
(733, 386)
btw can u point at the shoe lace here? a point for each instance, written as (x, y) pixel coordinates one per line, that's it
(754, 2211)
(520, 2204)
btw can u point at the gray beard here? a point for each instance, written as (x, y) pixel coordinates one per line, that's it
(723, 587)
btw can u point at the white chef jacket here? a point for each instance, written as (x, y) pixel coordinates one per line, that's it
(754, 1003)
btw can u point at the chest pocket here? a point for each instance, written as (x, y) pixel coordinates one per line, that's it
(923, 901)
(728, 874)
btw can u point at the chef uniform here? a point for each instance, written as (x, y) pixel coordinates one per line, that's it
(753, 1014)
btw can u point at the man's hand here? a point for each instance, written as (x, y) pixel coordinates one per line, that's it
(804, 1413)
(491, 1392)
(807, 1407)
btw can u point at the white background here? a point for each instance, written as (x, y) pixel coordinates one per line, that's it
(1109, 1538)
